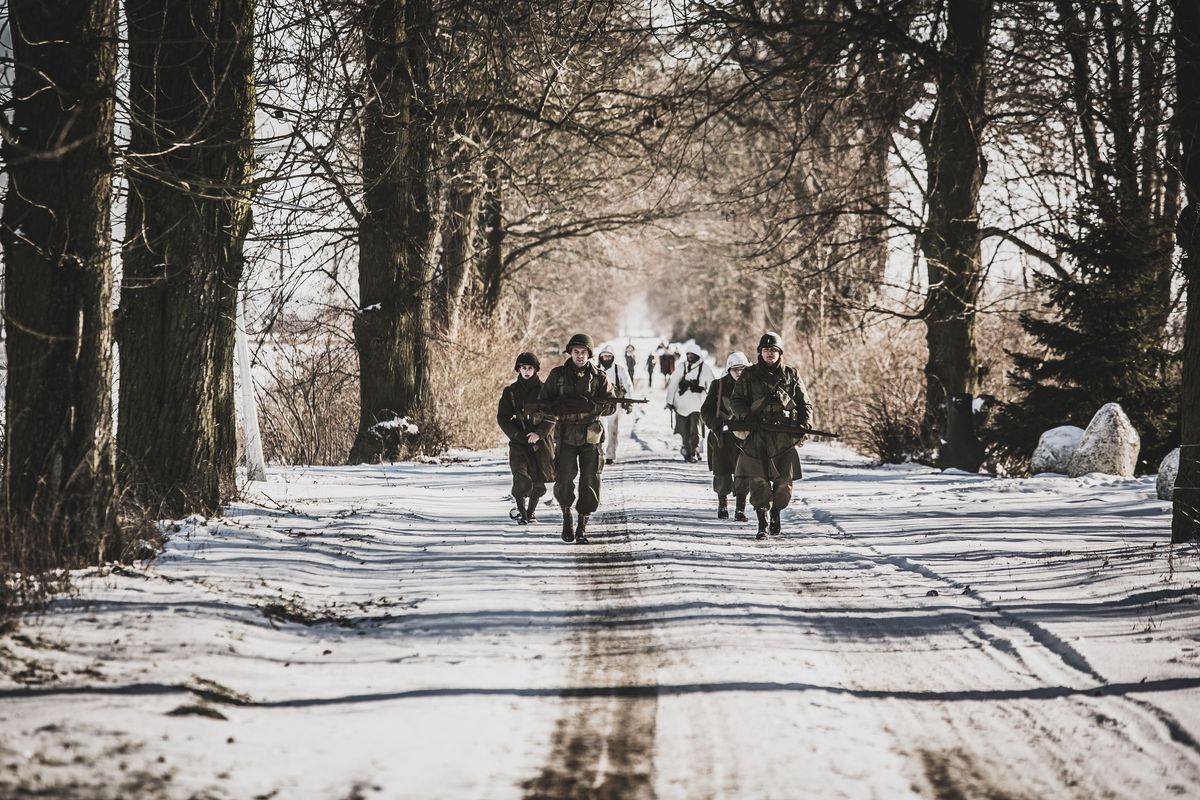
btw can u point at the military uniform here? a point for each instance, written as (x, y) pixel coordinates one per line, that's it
(685, 395)
(576, 398)
(531, 464)
(724, 447)
(769, 461)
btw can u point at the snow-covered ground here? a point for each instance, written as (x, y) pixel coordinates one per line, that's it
(387, 632)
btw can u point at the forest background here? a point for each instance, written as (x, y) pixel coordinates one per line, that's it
(924, 197)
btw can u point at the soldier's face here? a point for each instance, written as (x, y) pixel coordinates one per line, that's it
(771, 355)
(736, 372)
(579, 355)
(606, 360)
(526, 371)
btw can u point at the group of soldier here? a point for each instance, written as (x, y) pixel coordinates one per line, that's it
(756, 415)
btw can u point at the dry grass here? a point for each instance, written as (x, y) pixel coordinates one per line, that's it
(869, 382)
(309, 406)
(310, 410)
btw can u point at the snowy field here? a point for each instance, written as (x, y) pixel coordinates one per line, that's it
(386, 632)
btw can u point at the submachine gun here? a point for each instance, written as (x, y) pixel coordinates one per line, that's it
(775, 427)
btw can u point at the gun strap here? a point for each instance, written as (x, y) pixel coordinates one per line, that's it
(757, 405)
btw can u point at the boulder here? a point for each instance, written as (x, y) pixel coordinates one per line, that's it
(1109, 445)
(1167, 471)
(1054, 449)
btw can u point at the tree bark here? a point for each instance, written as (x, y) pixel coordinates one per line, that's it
(459, 246)
(1185, 523)
(398, 231)
(492, 264)
(192, 116)
(59, 477)
(951, 139)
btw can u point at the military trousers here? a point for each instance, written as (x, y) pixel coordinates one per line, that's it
(727, 483)
(612, 430)
(688, 428)
(526, 476)
(769, 463)
(585, 461)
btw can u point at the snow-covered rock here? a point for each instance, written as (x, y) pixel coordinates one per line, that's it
(1167, 471)
(1109, 445)
(1055, 448)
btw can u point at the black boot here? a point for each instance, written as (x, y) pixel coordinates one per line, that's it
(775, 526)
(739, 511)
(722, 506)
(529, 512)
(762, 523)
(568, 534)
(522, 514)
(581, 530)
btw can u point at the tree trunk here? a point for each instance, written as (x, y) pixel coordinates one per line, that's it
(492, 265)
(1185, 524)
(59, 477)
(951, 139)
(192, 116)
(462, 227)
(398, 232)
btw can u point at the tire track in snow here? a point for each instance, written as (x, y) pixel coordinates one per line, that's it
(1052, 643)
(1091, 705)
(603, 744)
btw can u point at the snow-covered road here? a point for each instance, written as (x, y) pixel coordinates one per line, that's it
(386, 632)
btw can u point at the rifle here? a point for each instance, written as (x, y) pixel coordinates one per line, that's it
(574, 405)
(771, 427)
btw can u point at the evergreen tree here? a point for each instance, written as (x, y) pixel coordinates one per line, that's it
(1106, 344)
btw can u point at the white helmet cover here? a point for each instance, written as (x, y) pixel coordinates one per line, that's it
(694, 348)
(736, 359)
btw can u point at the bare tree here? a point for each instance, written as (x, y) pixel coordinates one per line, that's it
(192, 115)
(1185, 523)
(59, 472)
(952, 138)
(397, 235)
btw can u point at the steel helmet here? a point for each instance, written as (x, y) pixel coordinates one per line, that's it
(770, 339)
(736, 359)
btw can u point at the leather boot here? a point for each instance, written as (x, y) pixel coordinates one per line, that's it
(529, 512)
(775, 525)
(739, 511)
(568, 534)
(522, 514)
(762, 523)
(722, 506)
(581, 530)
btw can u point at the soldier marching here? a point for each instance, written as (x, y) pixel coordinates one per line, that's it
(575, 396)
(756, 414)
(530, 454)
(770, 396)
(724, 446)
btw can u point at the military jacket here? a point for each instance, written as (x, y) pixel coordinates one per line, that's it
(566, 387)
(770, 395)
(716, 410)
(511, 414)
(724, 447)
